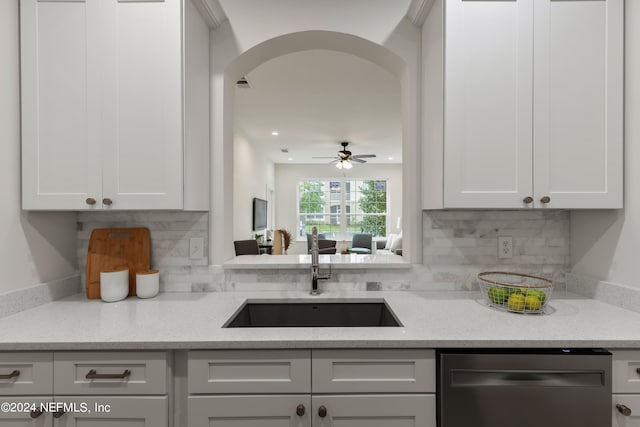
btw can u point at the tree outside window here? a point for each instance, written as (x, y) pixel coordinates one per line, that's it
(339, 208)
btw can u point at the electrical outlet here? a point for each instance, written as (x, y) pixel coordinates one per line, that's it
(505, 247)
(196, 248)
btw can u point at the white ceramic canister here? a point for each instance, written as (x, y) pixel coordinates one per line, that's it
(114, 285)
(147, 283)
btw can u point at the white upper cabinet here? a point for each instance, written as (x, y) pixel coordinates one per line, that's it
(142, 109)
(578, 103)
(488, 103)
(532, 104)
(61, 164)
(102, 117)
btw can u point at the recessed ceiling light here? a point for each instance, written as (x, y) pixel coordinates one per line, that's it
(275, 133)
(290, 158)
(390, 158)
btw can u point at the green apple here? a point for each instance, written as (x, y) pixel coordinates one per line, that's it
(498, 295)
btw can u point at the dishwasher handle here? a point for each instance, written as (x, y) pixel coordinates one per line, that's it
(533, 377)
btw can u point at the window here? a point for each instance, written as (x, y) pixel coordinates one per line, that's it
(340, 208)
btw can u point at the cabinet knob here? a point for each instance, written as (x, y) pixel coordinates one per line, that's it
(528, 200)
(623, 409)
(90, 201)
(35, 413)
(638, 371)
(300, 410)
(107, 201)
(545, 199)
(322, 411)
(58, 414)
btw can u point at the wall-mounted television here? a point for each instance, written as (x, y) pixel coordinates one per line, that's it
(259, 214)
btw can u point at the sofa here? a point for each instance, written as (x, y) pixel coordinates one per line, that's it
(392, 245)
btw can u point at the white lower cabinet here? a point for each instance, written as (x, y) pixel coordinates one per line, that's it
(100, 411)
(84, 389)
(626, 388)
(250, 411)
(404, 410)
(337, 388)
(24, 417)
(623, 403)
(26, 381)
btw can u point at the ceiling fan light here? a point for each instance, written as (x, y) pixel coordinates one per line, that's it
(347, 164)
(339, 164)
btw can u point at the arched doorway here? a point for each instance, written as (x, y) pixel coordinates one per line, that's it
(221, 214)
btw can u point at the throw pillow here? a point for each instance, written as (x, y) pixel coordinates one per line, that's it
(397, 244)
(390, 239)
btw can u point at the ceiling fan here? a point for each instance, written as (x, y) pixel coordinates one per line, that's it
(345, 157)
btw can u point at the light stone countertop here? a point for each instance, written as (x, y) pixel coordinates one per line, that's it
(430, 320)
(351, 261)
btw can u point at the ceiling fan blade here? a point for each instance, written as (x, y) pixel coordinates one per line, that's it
(326, 157)
(357, 160)
(363, 156)
(333, 162)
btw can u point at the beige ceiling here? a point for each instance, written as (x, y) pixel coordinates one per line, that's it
(315, 99)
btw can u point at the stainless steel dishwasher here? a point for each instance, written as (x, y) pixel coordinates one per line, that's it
(524, 388)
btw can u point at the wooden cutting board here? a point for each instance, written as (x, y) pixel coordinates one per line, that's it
(110, 248)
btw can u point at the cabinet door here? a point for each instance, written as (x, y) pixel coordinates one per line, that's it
(142, 128)
(61, 166)
(488, 103)
(631, 401)
(578, 115)
(374, 411)
(114, 411)
(250, 411)
(24, 418)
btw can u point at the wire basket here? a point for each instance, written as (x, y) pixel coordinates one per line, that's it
(516, 292)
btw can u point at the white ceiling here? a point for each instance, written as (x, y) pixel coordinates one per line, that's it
(315, 99)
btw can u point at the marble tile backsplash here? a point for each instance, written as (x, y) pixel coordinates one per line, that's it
(170, 234)
(456, 246)
(459, 244)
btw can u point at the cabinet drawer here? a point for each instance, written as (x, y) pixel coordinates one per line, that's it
(626, 371)
(113, 411)
(109, 373)
(30, 373)
(250, 371)
(374, 371)
(266, 410)
(631, 401)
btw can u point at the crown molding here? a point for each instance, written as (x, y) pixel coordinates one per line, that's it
(211, 12)
(418, 11)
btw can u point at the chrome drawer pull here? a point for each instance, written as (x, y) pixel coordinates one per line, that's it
(93, 375)
(9, 376)
(623, 409)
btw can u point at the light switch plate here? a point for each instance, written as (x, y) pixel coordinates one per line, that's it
(505, 247)
(196, 248)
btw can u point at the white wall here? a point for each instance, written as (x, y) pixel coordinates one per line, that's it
(375, 30)
(253, 175)
(606, 244)
(287, 177)
(36, 247)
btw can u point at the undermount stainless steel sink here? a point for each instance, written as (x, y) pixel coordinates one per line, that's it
(313, 314)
